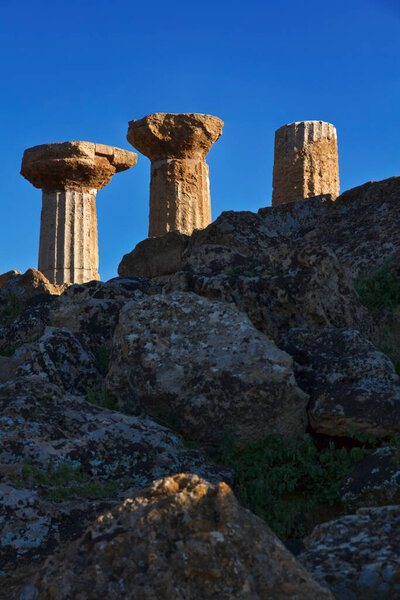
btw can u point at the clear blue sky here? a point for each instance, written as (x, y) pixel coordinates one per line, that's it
(80, 70)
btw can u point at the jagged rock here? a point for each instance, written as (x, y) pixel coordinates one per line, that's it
(6, 276)
(202, 363)
(44, 429)
(357, 556)
(155, 257)
(287, 285)
(361, 226)
(26, 326)
(31, 283)
(61, 358)
(353, 387)
(181, 538)
(91, 310)
(375, 481)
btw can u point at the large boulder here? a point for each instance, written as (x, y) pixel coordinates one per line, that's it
(63, 461)
(362, 226)
(91, 310)
(353, 387)
(292, 285)
(202, 364)
(358, 556)
(155, 256)
(181, 538)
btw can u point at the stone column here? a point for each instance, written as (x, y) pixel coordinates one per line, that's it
(177, 145)
(70, 174)
(306, 162)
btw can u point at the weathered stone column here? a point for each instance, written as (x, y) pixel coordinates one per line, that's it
(306, 162)
(177, 145)
(70, 174)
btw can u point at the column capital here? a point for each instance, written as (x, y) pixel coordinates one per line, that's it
(174, 135)
(75, 165)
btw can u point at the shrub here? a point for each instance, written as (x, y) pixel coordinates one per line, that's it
(380, 288)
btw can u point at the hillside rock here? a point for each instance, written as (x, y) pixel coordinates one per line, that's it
(63, 460)
(181, 538)
(358, 556)
(293, 285)
(352, 386)
(155, 257)
(31, 283)
(361, 226)
(91, 310)
(202, 364)
(375, 481)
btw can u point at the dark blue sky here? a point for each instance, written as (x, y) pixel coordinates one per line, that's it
(80, 70)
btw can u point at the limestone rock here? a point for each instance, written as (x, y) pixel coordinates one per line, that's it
(6, 276)
(155, 257)
(203, 364)
(357, 556)
(91, 310)
(181, 538)
(362, 226)
(31, 283)
(74, 165)
(352, 386)
(279, 286)
(305, 162)
(375, 481)
(177, 145)
(100, 456)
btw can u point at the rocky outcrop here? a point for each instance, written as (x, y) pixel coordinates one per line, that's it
(64, 460)
(361, 226)
(202, 364)
(375, 481)
(305, 162)
(357, 556)
(353, 387)
(181, 538)
(155, 257)
(70, 174)
(177, 145)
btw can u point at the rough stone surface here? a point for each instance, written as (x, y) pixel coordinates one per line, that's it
(70, 174)
(279, 283)
(352, 386)
(203, 364)
(181, 538)
(6, 276)
(91, 310)
(177, 145)
(305, 162)
(357, 556)
(45, 428)
(362, 226)
(155, 257)
(375, 481)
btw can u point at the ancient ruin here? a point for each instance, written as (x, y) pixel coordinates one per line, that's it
(177, 145)
(70, 174)
(306, 162)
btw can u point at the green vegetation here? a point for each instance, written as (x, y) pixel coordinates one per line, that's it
(102, 398)
(283, 481)
(65, 481)
(380, 288)
(103, 356)
(230, 271)
(7, 351)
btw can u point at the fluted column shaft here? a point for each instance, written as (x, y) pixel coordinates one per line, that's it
(68, 247)
(69, 174)
(305, 162)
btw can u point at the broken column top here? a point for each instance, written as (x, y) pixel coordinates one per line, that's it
(74, 165)
(174, 135)
(295, 136)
